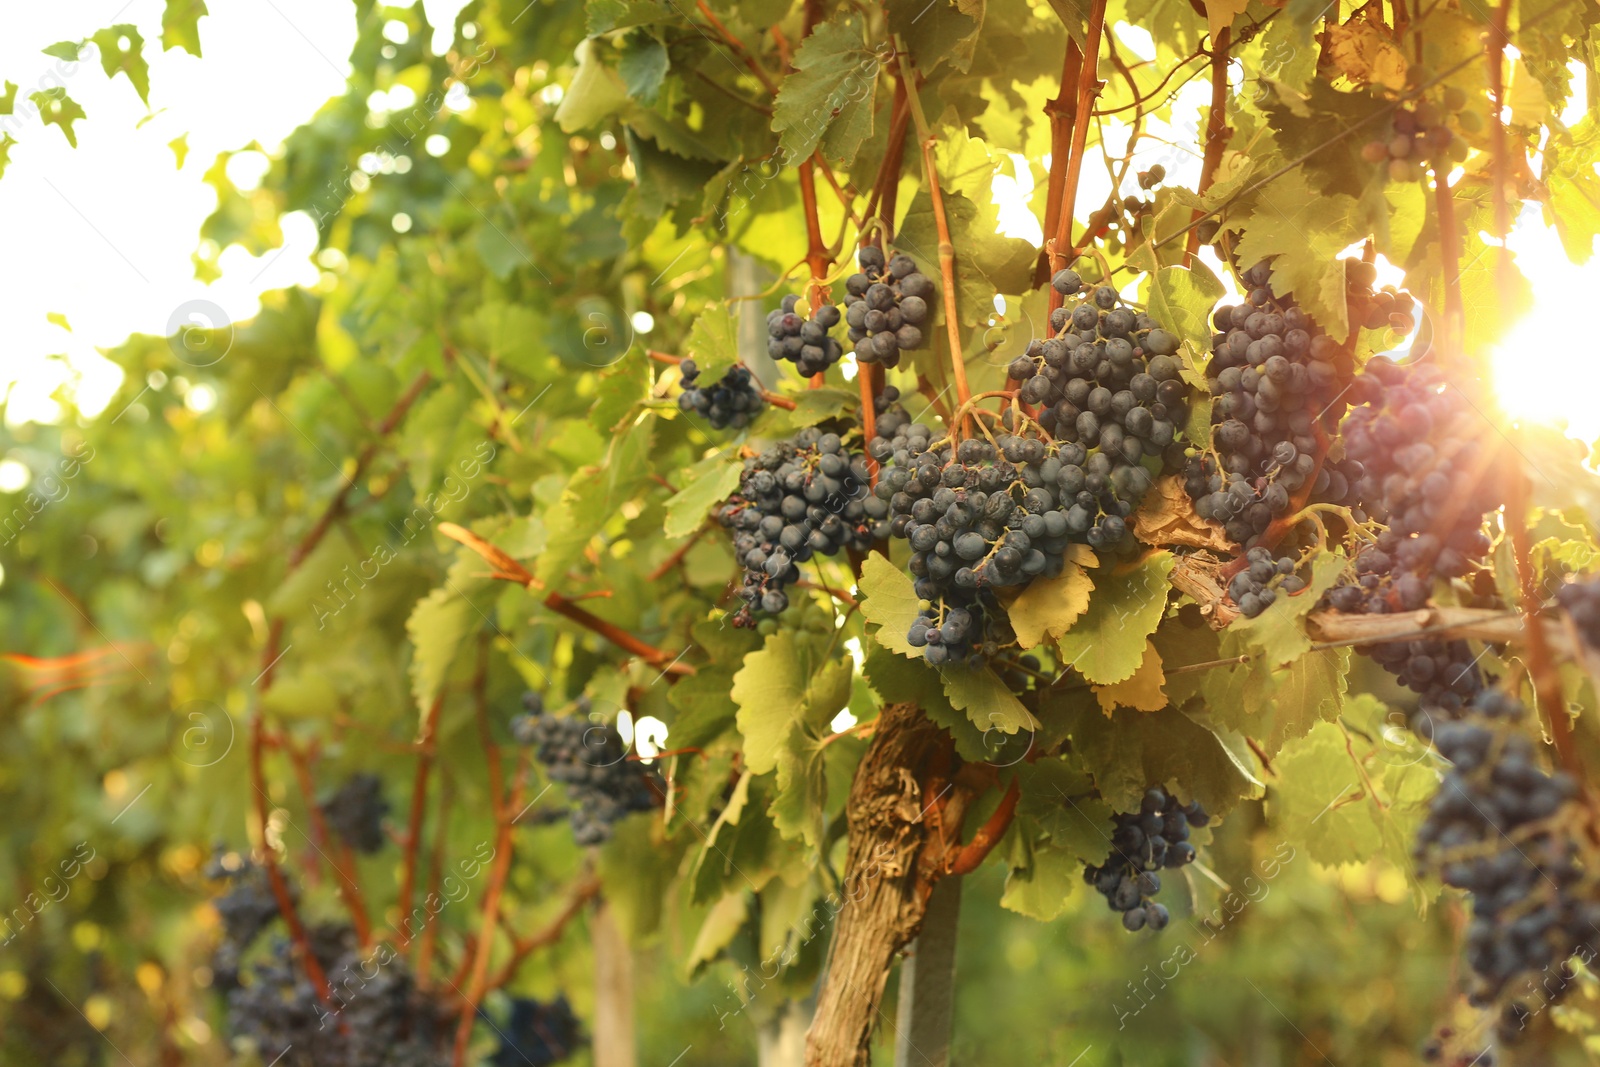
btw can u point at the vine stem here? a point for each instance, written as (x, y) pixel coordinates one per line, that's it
(522, 947)
(738, 47)
(1062, 123)
(1449, 252)
(1216, 134)
(1546, 678)
(508, 569)
(419, 800)
(947, 250)
(887, 182)
(491, 917)
(974, 852)
(1088, 77)
(338, 853)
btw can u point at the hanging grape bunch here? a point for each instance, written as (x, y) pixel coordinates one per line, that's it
(538, 1034)
(799, 498)
(1255, 588)
(1421, 135)
(1490, 830)
(591, 760)
(804, 342)
(356, 812)
(1581, 601)
(1278, 382)
(734, 400)
(886, 306)
(1154, 838)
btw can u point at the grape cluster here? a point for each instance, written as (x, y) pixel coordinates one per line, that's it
(804, 342)
(376, 1019)
(734, 400)
(1153, 838)
(1581, 601)
(248, 906)
(356, 811)
(1421, 135)
(1489, 832)
(1256, 587)
(886, 305)
(802, 497)
(1109, 381)
(590, 759)
(538, 1034)
(981, 517)
(1278, 381)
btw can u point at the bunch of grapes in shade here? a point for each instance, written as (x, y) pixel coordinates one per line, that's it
(733, 400)
(886, 306)
(1420, 135)
(1581, 601)
(591, 760)
(356, 810)
(538, 1033)
(1264, 578)
(800, 498)
(804, 342)
(1152, 839)
(1278, 382)
(377, 1016)
(1494, 830)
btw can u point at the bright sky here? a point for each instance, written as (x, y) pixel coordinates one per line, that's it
(103, 233)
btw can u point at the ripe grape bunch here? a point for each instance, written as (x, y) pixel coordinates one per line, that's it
(978, 519)
(798, 499)
(378, 1017)
(734, 400)
(1122, 216)
(1581, 601)
(538, 1034)
(1491, 831)
(1154, 838)
(886, 305)
(1421, 134)
(356, 812)
(1255, 588)
(590, 759)
(1429, 474)
(1277, 380)
(246, 908)
(804, 342)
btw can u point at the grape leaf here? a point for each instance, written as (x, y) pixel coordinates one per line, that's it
(827, 101)
(1278, 705)
(810, 407)
(56, 108)
(1142, 691)
(1303, 231)
(436, 627)
(721, 924)
(710, 482)
(713, 343)
(596, 92)
(1181, 300)
(785, 689)
(1041, 889)
(1058, 796)
(643, 65)
(1049, 607)
(1278, 634)
(987, 263)
(889, 603)
(180, 25)
(606, 16)
(6, 141)
(989, 702)
(67, 50)
(592, 499)
(1315, 799)
(1107, 644)
(896, 679)
(1221, 13)
(116, 59)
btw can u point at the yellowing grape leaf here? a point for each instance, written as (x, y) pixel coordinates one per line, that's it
(1365, 54)
(1142, 691)
(1048, 607)
(1221, 13)
(889, 602)
(1107, 643)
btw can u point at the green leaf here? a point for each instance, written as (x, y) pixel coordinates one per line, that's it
(437, 626)
(1302, 231)
(635, 868)
(717, 930)
(1315, 800)
(711, 481)
(1278, 633)
(988, 702)
(593, 498)
(180, 25)
(713, 342)
(58, 319)
(1277, 705)
(937, 31)
(67, 50)
(810, 407)
(986, 262)
(180, 148)
(889, 603)
(56, 108)
(1107, 644)
(1058, 796)
(8, 99)
(607, 16)
(6, 141)
(827, 101)
(643, 65)
(896, 679)
(596, 92)
(1041, 889)
(1181, 299)
(115, 58)
(785, 688)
